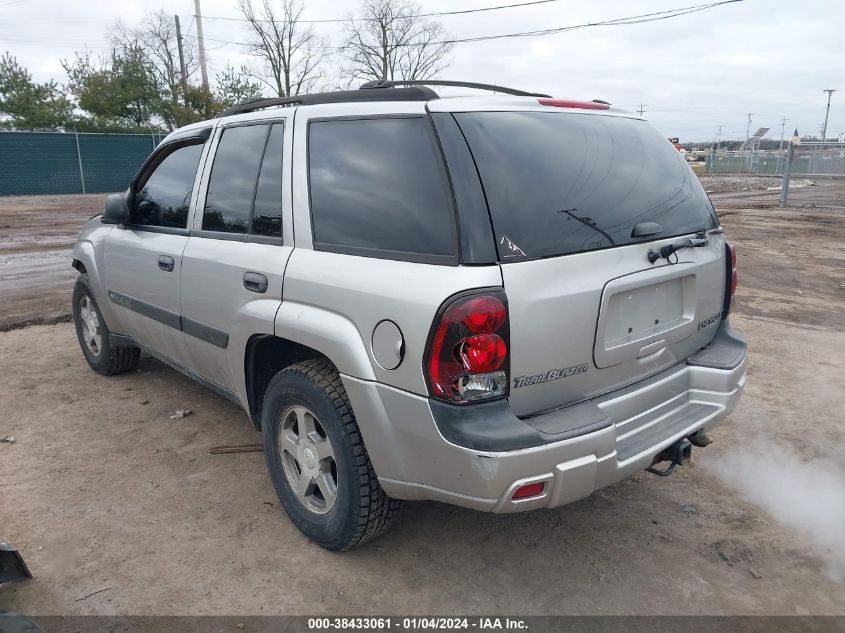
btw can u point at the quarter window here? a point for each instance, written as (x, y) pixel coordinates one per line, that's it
(378, 188)
(164, 197)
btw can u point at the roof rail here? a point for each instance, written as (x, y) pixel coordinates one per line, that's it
(416, 93)
(370, 85)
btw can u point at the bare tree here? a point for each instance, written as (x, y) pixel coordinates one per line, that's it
(155, 40)
(158, 34)
(291, 54)
(389, 40)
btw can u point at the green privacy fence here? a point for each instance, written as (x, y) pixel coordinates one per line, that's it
(34, 163)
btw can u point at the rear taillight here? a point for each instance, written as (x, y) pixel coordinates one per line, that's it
(468, 351)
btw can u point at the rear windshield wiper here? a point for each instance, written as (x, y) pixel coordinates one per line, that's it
(589, 223)
(665, 252)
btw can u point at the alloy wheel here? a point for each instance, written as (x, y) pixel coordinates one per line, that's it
(308, 459)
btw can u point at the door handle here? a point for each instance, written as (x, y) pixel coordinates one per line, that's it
(166, 263)
(255, 282)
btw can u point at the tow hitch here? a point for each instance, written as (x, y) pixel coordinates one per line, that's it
(12, 566)
(678, 454)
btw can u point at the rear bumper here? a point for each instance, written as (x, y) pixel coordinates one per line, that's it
(574, 451)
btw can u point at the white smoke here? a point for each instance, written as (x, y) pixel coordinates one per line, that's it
(808, 497)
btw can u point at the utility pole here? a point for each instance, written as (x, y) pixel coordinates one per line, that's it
(782, 127)
(201, 44)
(641, 108)
(747, 129)
(827, 112)
(717, 140)
(182, 61)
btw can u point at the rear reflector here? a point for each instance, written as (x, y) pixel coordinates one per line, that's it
(529, 490)
(569, 103)
(732, 250)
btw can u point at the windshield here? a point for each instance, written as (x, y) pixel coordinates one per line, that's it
(559, 183)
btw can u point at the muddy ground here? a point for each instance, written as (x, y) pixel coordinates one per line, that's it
(104, 493)
(36, 237)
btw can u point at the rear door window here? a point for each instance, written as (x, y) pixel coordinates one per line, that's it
(267, 211)
(566, 183)
(234, 175)
(378, 188)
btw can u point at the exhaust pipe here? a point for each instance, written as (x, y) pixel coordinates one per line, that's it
(700, 439)
(678, 454)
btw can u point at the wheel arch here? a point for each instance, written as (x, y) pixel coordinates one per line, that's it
(84, 260)
(265, 356)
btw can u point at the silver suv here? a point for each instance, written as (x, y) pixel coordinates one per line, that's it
(501, 302)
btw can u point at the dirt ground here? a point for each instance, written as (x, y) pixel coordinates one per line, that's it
(36, 237)
(105, 495)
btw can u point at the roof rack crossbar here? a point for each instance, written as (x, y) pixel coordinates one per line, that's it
(370, 85)
(416, 93)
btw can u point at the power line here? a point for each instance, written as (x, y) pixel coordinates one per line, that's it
(419, 15)
(717, 139)
(41, 42)
(54, 45)
(56, 22)
(634, 19)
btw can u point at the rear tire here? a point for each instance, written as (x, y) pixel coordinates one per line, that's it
(312, 444)
(94, 337)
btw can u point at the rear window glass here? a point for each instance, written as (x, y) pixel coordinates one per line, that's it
(378, 188)
(566, 183)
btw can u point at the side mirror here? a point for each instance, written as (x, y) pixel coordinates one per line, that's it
(116, 210)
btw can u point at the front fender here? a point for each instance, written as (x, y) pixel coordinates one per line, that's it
(88, 253)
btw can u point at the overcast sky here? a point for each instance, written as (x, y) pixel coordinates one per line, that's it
(772, 58)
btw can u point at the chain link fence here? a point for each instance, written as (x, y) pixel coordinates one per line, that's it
(808, 159)
(35, 163)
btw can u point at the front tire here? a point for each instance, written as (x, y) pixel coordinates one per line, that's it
(317, 459)
(94, 337)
